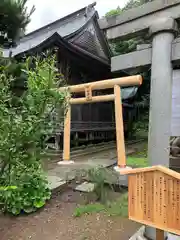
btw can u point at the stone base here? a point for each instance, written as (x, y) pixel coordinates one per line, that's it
(140, 235)
(123, 179)
(85, 187)
(65, 162)
(118, 169)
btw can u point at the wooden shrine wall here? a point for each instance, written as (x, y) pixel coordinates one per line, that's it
(154, 200)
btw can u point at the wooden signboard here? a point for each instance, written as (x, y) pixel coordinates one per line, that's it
(154, 198)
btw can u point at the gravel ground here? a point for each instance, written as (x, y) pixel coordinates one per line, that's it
(56, 221)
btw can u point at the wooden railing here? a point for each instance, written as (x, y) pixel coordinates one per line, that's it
(85, 126)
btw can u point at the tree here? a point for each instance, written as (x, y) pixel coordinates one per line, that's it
(135, 3)
(121, 47)
(118, 47)
(25, 124)
(14, 18)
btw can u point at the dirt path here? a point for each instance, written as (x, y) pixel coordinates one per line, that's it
(55, 222)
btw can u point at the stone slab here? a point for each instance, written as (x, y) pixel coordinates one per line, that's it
(55, 182)
(85, 187)
(134, 13)
(64, 173)
(141, 58)
(139, 235)
(137, 21)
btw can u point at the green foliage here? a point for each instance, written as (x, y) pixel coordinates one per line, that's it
(143, 95)
(116, 208)
(119, 207)
(101, 177)
(14, 17)
(135, 3)
(137, 161)
(7, 188)
(122, 47)
(87, 209)
(25, 126)
(126, 46)
(113, 12)
(31, 194)
(141, 125)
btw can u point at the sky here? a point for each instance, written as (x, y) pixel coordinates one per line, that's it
(51, 10)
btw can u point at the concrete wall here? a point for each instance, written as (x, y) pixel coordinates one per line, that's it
(175, 121)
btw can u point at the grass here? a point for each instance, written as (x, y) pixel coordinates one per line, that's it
(89, 208)
(116, 208)
(139, 159)
(120, 206)
(137, 162)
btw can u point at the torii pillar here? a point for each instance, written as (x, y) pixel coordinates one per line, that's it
(163, 32)
(157, 17)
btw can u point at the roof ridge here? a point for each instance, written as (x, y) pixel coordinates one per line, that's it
(59, 20)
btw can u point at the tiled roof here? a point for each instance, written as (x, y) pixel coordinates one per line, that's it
(77, 28)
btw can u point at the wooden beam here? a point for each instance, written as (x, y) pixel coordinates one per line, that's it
(103, 98)
(87, 88)
(159, 234)
(105, 84)
(159, 168)
(121, 153)
(67, 135)
(88, 93)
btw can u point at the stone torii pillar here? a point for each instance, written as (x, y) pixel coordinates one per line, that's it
(163, 32)
(158, 18)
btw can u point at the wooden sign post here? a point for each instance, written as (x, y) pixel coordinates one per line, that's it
(154, 198)
(89, 98)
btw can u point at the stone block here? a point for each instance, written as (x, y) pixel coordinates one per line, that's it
(55, 182)
(85, 187)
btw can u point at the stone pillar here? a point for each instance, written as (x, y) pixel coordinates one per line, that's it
(162, 32)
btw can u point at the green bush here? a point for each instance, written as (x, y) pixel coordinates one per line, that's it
(25, 126)
(30, 194)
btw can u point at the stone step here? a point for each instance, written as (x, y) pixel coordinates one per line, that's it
(55, 182)
(85, 187)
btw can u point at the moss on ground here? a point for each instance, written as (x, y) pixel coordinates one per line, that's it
(115, 208)
(139, 159)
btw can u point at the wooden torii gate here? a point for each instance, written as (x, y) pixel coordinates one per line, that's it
(89, 98)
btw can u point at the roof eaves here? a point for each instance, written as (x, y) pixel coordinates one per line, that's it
(56, 38)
